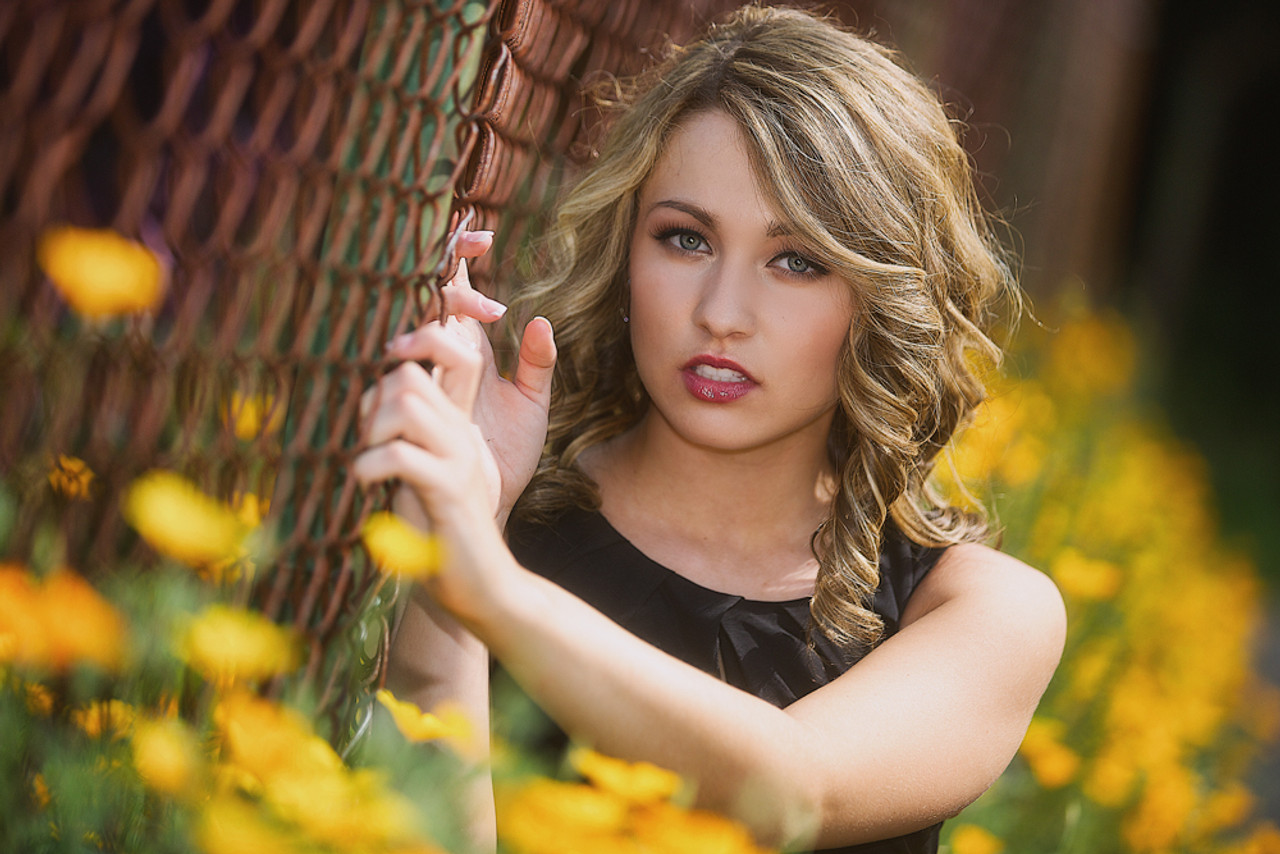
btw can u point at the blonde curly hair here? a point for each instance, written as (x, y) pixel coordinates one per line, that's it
(861, 160)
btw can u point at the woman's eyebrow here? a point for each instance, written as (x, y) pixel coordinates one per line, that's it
(704, 216)
(699, 213)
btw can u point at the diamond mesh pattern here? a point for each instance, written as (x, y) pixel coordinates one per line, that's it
(297, 165)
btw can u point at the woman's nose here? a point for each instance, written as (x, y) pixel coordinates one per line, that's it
(725, 306)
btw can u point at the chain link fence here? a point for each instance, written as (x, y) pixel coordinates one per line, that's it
(297, 167)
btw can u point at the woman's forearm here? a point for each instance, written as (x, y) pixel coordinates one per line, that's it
(627, 698)
(435, 660)
(910, 735)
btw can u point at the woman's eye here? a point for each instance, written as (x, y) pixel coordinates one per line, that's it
(799, 264)
(688, 241)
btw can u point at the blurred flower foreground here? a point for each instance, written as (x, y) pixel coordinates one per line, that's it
(144, 711)
(1146, 734)
(148, 709)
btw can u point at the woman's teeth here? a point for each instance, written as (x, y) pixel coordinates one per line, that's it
(723, 375)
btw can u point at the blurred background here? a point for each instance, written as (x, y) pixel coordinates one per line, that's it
(1127, 142)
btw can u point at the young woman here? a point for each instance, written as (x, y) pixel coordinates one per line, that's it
(766, 293)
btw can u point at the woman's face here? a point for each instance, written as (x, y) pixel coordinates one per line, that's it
(737, 335)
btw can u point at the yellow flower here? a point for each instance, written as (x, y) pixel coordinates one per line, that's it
(347, 809)
(1161, 815)
(398, 547)
(972, 839)
(270, 751)
(262, 738)
(672, 830)
(229, 825)
(639, 782)
(1111, 777)
(57, 623)
(447, 722)
(98, 272)
(549, 816)
(1085, 578)
(1052, 763)
(228, 644)
(252, 415)
(71, 477)
(250, 509)
(180, 521)
(166, 754)
(110, 717)
(1227, 807)
(1023, 460)
(1094, 357)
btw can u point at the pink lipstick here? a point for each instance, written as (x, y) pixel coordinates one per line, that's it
(715, 379)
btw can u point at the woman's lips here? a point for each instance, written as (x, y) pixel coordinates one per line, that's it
(717, 380)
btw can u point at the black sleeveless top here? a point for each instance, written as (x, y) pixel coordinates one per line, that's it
(758, 646)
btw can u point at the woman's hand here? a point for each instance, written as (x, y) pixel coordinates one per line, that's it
(419, 431)
(511, 414)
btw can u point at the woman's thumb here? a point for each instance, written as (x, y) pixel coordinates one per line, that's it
(537, 359)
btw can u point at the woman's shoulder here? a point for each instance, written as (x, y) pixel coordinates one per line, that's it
(1011, 596)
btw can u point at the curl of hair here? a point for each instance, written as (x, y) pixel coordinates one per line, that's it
(861, 160)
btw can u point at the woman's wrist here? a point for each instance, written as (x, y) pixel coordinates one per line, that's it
(478, 580)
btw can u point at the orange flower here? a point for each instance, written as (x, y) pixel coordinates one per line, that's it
(40, 791)
(57, 623)
(71, 476)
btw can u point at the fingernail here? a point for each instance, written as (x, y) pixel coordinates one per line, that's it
(493, 306)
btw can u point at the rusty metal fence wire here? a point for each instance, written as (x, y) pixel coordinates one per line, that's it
(297, 164)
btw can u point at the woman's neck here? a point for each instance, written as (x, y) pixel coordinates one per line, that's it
(739, 519)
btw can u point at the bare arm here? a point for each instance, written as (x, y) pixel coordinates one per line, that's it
(908, 736)
(435, 660)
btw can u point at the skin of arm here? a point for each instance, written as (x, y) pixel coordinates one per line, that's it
(435, 660)
(909, 736)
